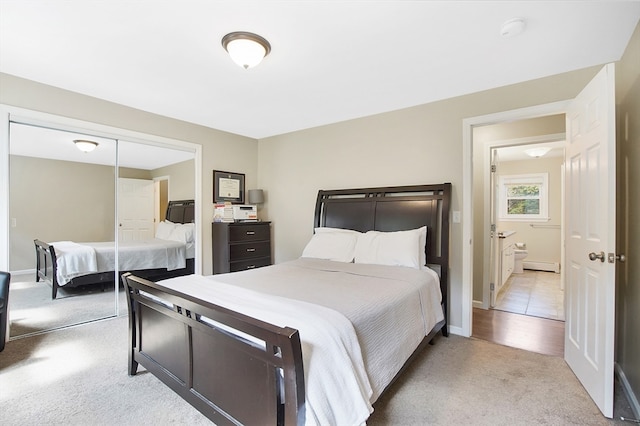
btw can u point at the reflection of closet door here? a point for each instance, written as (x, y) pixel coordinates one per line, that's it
(135, 209)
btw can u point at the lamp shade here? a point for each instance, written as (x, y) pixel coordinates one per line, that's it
(246, 49)
(256, 196)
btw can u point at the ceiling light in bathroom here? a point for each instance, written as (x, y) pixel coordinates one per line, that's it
(537, 152)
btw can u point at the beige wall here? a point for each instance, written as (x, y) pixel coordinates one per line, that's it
(628, 215)
(55, 200)
(220, 150)
(416, 145)
(181, 180)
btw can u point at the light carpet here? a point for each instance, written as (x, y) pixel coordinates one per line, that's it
(32, 310)
(78, 376)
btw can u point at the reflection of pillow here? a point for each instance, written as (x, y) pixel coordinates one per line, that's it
(332, 244)
(401, 248)
(164, 229)
(182, 233)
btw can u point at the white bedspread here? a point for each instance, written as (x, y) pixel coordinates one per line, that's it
(75, 259)
(389, 308)
(392, 308)
(333, 365)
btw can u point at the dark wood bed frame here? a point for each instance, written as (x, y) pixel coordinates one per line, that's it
(181, 211)
(232, 381)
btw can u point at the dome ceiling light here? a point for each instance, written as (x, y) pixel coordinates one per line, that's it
(537, 152)
(512, 27)
(85, 145)
(246, 49)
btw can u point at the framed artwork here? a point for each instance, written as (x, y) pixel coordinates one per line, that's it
(228, 186)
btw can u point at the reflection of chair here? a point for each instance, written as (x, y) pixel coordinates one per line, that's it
(5, 277)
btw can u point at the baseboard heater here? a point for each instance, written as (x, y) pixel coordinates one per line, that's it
(542, 266)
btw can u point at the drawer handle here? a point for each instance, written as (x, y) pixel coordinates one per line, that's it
(251, 266)
(251, 249)
(251, 232)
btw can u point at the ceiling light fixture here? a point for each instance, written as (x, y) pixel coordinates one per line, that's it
(537, 152)
(246, 49)
(512, 27)
(85, 145)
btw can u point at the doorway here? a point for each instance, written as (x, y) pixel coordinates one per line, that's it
(518, 215)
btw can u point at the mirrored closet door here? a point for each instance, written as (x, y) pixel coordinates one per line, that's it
(83, 207)
(62, 197)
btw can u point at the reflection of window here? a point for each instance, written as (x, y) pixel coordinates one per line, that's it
(524, 197)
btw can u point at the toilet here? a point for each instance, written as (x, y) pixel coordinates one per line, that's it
(519, 253)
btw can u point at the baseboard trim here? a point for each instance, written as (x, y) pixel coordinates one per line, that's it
(24, 272)
(456, 330)
(542, 266)
(628, 392)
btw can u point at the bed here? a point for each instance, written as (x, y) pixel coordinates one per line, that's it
(170, 254)
(272, 346)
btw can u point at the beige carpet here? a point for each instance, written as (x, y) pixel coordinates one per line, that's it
(33, 310)
(78, 376)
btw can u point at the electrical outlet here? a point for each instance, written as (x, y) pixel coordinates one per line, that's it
(457, 217)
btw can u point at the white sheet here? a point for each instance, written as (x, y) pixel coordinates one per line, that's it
(73, 260)
(390, 309)
(133, 255)
(331, 353)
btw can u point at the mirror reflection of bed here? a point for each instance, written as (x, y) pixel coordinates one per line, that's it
(74, 199)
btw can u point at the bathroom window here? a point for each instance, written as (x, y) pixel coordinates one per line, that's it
(524, 197)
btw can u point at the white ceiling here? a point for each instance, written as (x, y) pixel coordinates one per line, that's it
(41, 142)
(330, 60)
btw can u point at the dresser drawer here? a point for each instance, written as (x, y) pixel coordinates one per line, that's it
(249, 264)
(239, 251)
(249, 233)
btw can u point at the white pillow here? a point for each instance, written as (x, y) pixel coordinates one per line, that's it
(182, 232)
(332, 244)
(422, 243)
(400, 248)
(164, 229)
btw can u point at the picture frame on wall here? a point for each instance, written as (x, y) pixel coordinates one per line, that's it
(228, 187)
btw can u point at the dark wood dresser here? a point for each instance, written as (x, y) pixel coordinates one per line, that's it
(240, 245)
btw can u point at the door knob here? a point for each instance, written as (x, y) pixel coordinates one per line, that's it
(619, 257)
(594, 256)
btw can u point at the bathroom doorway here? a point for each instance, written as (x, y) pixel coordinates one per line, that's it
(528, 206)
(507, 288)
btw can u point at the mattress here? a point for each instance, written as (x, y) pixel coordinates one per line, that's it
(78, 259)
(388, 310)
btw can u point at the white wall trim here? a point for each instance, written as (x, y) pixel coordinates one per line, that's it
(14, 114)
(467, 191)
(628, 391)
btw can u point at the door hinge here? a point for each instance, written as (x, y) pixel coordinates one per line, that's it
(493, 168)
(492, 286)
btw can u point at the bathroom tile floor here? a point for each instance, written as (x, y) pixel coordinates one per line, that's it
(533, 293)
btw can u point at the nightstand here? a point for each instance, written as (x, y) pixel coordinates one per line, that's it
(240, 246)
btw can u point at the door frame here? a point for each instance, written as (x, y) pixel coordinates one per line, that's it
(10, 113)
(468, 124)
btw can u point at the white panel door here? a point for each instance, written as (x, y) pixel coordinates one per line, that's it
(590, 238)
(135, 209)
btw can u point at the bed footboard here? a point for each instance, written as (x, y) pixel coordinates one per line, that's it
(46, 265)
(232, 368)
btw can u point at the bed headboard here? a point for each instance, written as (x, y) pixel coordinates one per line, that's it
(181, 211)
(394, 208)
